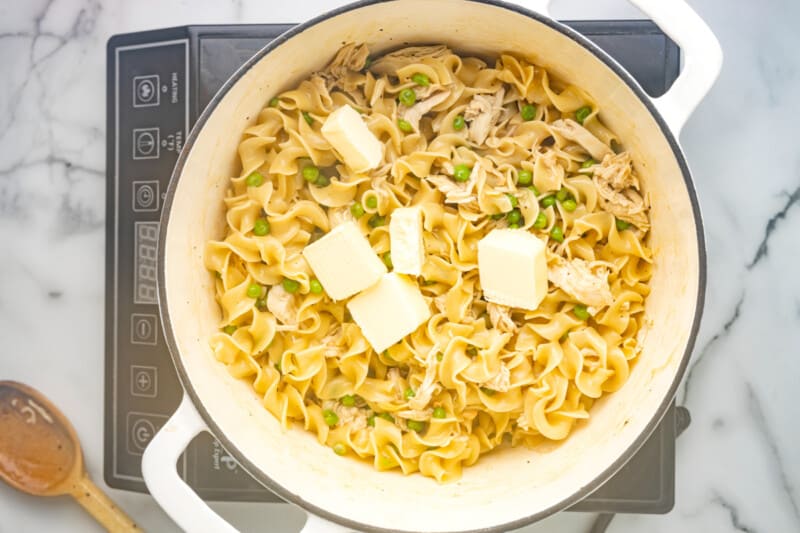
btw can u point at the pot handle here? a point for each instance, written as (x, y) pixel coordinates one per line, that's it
(702, 58)
(178, 500)
(700, 47)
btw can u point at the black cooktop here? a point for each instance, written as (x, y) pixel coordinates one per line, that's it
(158, 83)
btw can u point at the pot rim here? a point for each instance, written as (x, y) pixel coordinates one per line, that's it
(261, 476)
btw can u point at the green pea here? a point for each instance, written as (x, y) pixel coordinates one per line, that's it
(357, 210)
(387, 260)
(497, 216)
(416, 425)
(404, 125)
(315, 286)
(541, 221)
(409, 393)
(524, 177)
(254, 290)
(322, 181)
(387, 417)
(274, 102)
(459, 122)
(588, 163)
(376, 221)
(277, 366)
(513, 200)
(372, 202)
(439, 412)
(308, 118)
(255, 179)
(339, 448)
(429, 282)
(562, 194)
(439, 356)
(513, 225)
(622, 225)
(514, 217)
(528, 112)
(261, 304)
(229, 329)
(549, 201)
(471, 351)
(534, 190)
(368, 62)
(348, 400)
(462, 172)
(580, 311)
(569, 205)
(407, 97)
(330, 417)
(421, 79)
(310, 173)
(290, 285)
(260, 227)
(582, 114)
(487, 391)
(371, 420)
(557, 234)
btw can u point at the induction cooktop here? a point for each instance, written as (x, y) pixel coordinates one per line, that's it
(158, 83)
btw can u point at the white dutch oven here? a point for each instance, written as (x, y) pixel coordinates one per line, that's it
(504, 490)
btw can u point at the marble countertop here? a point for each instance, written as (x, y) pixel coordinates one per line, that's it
(738, 466)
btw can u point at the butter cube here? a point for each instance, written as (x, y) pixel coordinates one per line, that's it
(512, 265)
(389, 310)
(349, 135)
(344, 262)
(405, 233)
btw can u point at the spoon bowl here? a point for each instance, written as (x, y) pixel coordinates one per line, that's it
(40, 454)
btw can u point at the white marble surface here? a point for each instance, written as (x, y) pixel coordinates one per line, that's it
(738, 465)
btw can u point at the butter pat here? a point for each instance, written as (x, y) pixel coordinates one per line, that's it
(349, 135)
(344, 262)
(405, 233)
(389, 310)
(512, 264)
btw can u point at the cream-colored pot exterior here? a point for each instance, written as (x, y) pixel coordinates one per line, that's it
(505, 489)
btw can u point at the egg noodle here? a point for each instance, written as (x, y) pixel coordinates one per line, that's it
(476, 375)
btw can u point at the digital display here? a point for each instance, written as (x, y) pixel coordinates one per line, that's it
(145, 262)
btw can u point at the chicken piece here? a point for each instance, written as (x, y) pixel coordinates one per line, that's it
(353, 417)
(428, 387)
(390, 63)
(501, 381)
(569, 129)
(414, 113)
(618, 189)
(415, 414)
(331, 343)
(349, 58)
(500, 317)
(582, 281)
(339, 215)
(482, 113)
(454, 192)
(282, 304)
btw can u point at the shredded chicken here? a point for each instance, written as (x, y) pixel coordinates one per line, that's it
(390, 63)
(349, 58)
(394, 377)
(414, 113)
(456, 192)
(573, 131)
(500, 316)
(482, 113)
(584, 282)
(618, 189)
(282, 304)
(339, 215)
(331, 342)
(354, 417)
(501, 381)
(440, 302)
(428, 387)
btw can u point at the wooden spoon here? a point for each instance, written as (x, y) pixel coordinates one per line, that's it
(40, 454)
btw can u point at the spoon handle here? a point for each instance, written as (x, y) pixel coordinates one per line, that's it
(100, 506)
